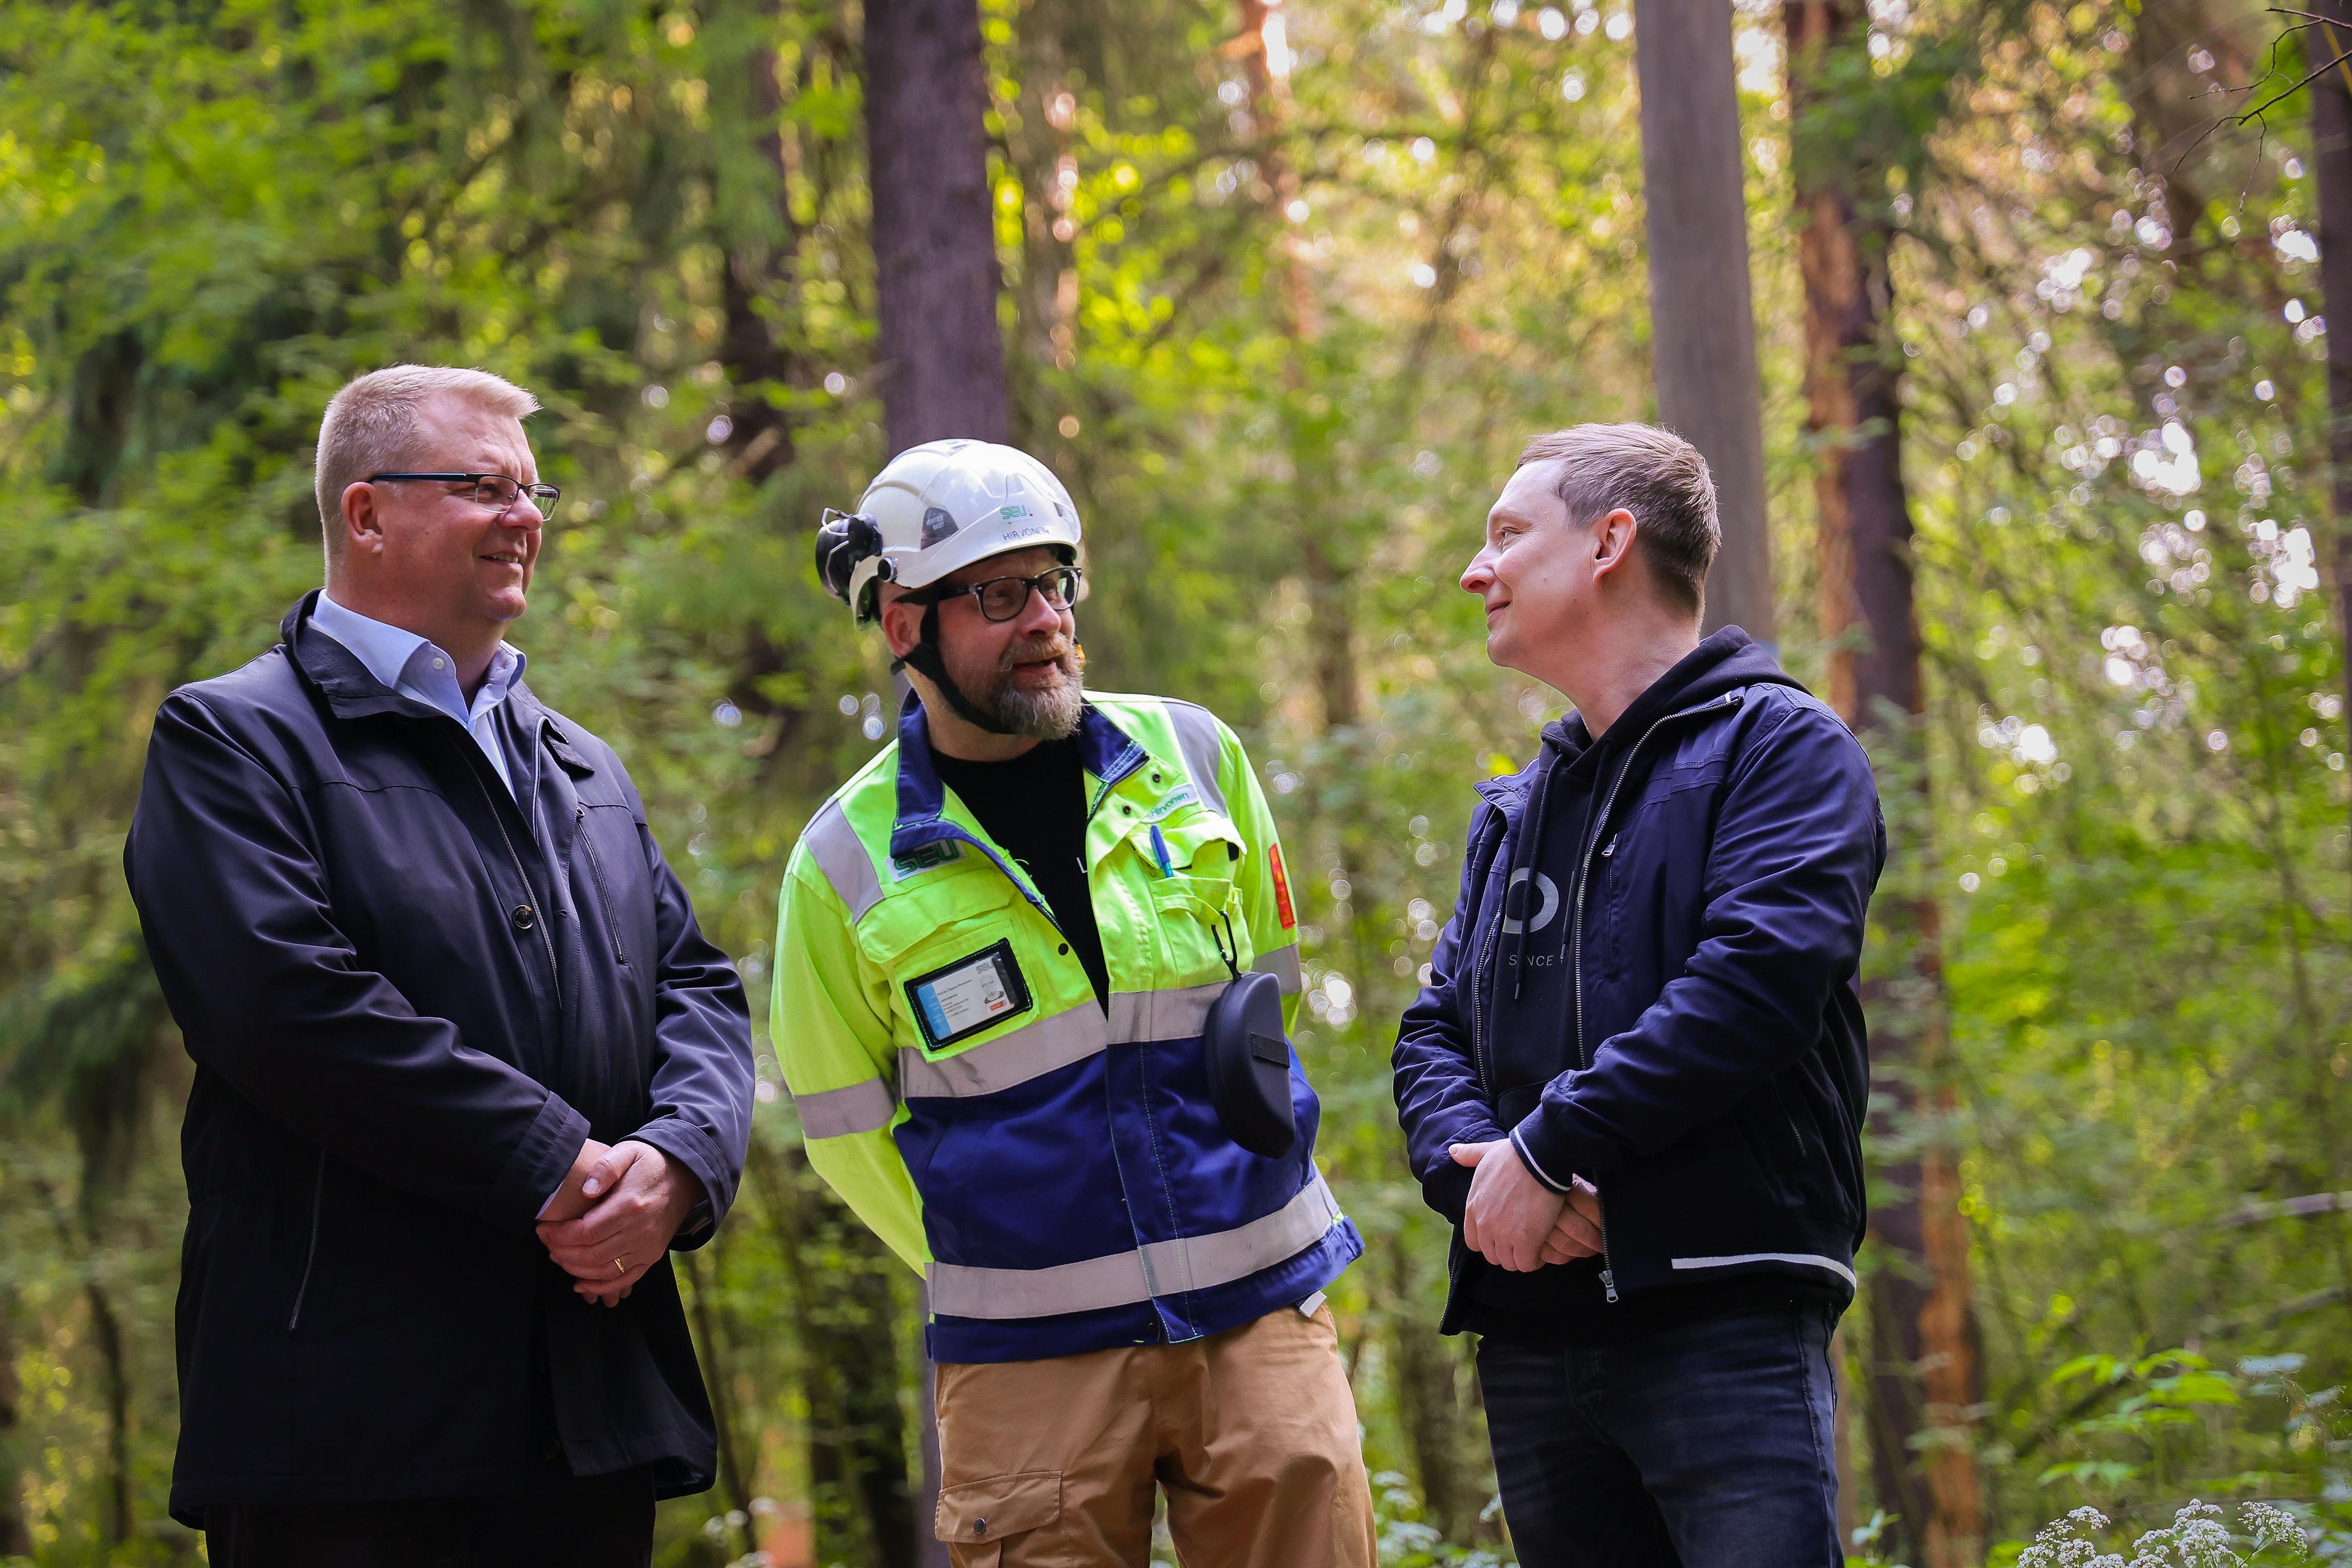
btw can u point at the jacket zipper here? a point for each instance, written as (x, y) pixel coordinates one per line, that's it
(547, 943)
(310, 1253)
(1479, 1073)
(1803, 1151)
(596, 869)
(1607, 1269)
(1576, 925)
(1478, 991)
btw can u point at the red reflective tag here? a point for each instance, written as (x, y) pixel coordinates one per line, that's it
(1281, 888)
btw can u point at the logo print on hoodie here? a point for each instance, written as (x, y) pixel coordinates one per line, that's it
(1515, 900)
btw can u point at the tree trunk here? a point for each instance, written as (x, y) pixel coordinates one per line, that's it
(2331, 151)
(1262, 46)
(941, 364)
(15, 1536)
(1044, 148)
(1924, 1366)
(106, 1335)
(1702, 317)
(751, 214)
(941, 357)
(842, 1312)
(1429, 1402)
(717, 1377)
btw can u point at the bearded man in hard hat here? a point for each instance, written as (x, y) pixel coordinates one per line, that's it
(1033, 967)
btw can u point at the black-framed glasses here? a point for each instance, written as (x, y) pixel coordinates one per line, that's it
(496, 491)
(1003, 598)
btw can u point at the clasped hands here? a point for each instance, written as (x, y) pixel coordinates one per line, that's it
(1514, 1221)
(614, 1214)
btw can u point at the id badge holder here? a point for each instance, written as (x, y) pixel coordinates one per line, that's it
(959, 1000)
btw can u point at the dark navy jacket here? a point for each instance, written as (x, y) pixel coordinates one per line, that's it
(1708, 1071)
(409, 998)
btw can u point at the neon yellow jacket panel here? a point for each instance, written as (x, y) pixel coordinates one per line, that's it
(1053, 1167)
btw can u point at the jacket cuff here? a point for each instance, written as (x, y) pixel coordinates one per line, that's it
(1446, 1189)
(698, 1152)
(538, 1166)
(1545, 1158)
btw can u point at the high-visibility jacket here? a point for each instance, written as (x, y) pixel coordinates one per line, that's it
(1053, 1168)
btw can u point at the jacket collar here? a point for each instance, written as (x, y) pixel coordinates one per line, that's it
(533, 717)
(1104, 750)
(1727, 661)
(338, 674)
(352, 692)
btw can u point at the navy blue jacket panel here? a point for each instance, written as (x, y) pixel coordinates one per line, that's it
(1700, 1055)
(410, 994)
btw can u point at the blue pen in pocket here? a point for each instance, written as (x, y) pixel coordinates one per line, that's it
(1159, 852)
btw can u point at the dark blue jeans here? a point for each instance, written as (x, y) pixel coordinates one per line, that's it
(1703, 1446)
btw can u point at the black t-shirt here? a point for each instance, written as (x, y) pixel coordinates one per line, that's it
(1035, 808)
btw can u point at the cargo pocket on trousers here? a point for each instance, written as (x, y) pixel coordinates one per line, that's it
(984, 1520)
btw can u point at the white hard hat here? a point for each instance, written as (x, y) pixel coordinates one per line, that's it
(939, 507)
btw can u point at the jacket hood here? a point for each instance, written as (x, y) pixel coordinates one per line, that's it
(1725, 662)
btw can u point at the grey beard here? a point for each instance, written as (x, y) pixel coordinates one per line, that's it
(1049, 715)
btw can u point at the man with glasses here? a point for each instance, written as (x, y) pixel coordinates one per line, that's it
(1033, 967)
(466, 1069)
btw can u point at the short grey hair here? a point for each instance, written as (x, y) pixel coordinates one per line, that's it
(371, 427)
(1656, 475)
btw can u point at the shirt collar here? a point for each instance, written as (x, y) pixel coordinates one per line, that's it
(402, 660)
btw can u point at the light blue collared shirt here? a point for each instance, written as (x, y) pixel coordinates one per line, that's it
(419, 670)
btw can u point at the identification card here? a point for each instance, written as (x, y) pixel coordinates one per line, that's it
(969, 995)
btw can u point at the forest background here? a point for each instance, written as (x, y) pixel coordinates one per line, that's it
(2039, 299)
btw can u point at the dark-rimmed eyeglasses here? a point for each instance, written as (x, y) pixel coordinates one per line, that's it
(496, 491)
(1003, 598)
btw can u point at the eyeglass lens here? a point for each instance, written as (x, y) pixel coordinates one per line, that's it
(1005, 597)
(498, 492)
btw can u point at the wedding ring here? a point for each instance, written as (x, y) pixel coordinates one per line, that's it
(620, 1267)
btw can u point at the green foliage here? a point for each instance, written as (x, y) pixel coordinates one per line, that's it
(1284, 429)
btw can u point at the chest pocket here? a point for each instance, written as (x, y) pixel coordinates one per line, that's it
(1198, 901)
(929, 940)
(1645, 920)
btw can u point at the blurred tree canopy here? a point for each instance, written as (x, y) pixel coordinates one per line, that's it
(1284, 292)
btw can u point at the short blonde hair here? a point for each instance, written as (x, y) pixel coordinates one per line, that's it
(370, 426)
(1656, 475)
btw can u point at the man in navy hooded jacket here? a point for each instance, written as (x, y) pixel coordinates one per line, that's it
(1636, 1079)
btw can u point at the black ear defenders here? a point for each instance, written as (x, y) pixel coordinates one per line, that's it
(843, 541)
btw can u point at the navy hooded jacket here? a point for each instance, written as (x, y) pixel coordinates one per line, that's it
(410, 994)
(1703, 1065)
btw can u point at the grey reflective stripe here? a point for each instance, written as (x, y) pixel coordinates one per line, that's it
(1030, 1051)
(840, 1113)
(1809, 1259)
(842, 857)
(1037, 1048)
(1157, 1268)
(1196, 736)
(1162, 1014)
(1282, 964)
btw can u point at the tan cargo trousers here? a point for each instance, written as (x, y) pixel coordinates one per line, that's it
(1251, 1433)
